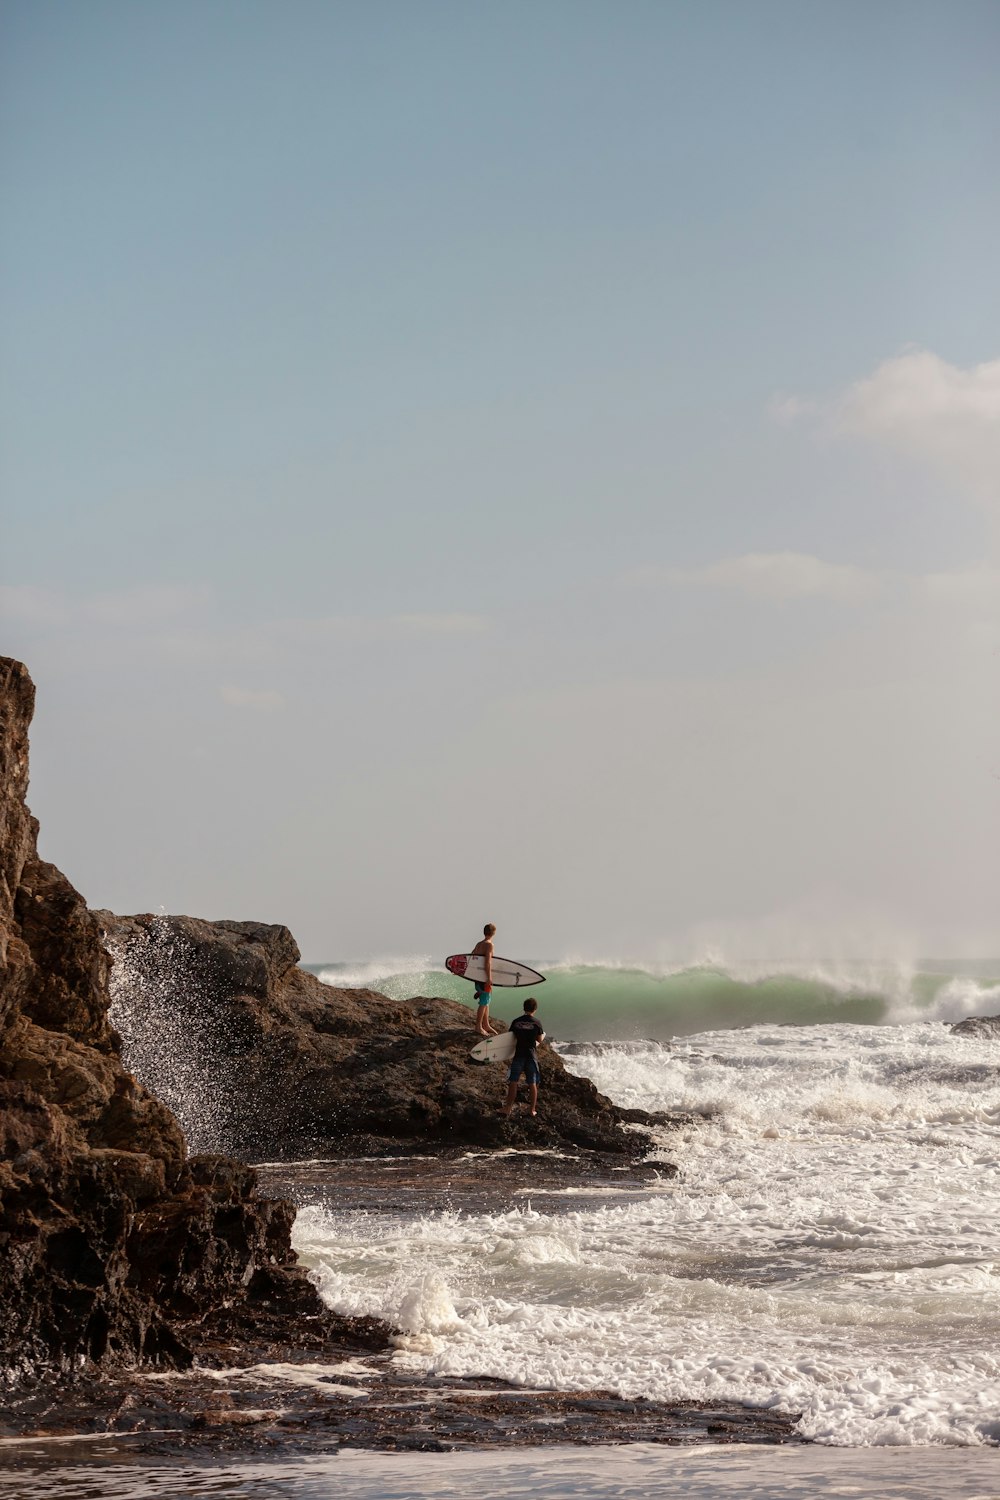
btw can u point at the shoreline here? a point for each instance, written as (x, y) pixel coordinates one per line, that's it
(248, 1398)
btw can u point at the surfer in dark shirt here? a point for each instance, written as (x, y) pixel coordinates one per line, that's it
(527, 1033)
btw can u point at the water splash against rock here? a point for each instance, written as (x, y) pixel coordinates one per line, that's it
(172, 1038)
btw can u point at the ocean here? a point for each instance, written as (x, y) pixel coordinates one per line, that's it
(601, 1001)
(831, 1246)
(829, 1249)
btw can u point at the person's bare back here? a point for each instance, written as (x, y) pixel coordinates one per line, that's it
(484, 987)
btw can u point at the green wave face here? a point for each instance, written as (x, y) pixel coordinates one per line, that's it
(594, 1002)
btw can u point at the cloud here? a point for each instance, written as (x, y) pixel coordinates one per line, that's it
(919, 398)
(936, 413)
(264, 700)
(777, 576)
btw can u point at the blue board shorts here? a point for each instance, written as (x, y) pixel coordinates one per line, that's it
(483, 996)
(526, 1065)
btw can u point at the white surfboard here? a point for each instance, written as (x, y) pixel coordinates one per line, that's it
(506, 972)
(495, 1048)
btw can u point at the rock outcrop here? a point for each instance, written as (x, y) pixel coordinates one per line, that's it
(983, 1026)
(114, 1245)
(260, 1058)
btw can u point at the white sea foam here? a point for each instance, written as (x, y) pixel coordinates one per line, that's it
(832, 1247)
(377, 972)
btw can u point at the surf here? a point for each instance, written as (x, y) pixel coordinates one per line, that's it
(621, 1000)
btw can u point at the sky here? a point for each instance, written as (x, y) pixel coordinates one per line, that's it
(533, 462)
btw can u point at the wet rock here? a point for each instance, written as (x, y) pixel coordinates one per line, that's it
(369, 1406)
(982, 1026)
(279, 1065)
(114, 1247)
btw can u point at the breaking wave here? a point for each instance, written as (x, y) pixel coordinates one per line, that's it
(590, 1001)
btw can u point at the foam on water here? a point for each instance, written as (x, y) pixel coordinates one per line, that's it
(832, 1247)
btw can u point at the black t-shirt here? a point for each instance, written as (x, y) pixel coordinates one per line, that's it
(527, 1034)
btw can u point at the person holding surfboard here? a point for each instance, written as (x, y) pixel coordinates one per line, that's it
(527, 1033)
(484, 986)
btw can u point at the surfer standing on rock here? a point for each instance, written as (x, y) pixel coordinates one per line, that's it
(527, 1031)
(484, 987)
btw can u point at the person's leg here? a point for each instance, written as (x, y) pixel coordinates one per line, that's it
(513, 1075)
(482, 1012)
(532, 1076)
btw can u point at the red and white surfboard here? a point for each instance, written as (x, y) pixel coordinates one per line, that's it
(507, 972)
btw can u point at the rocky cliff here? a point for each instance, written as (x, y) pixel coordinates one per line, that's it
(114, 1245)
(260, 1058)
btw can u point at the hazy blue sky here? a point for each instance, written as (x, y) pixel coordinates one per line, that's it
(536, 462)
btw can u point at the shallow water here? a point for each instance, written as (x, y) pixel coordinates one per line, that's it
(638, 1472)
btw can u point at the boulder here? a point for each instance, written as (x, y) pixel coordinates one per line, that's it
(259, 1058)
(984, 1026)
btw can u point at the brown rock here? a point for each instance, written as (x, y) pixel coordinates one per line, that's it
(113, 1246)
(984, 1026)
(259, 1058)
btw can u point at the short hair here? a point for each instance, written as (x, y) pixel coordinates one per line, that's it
(531, 1005)
(489, 930)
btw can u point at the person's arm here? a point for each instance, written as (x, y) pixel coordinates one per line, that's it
(488, 965)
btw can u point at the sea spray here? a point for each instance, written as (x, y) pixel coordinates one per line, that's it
(171, 1034)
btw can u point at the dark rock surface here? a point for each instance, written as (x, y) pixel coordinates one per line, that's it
(988, 1026)
(252, 1412)
(278, 1065)
(114, 1247)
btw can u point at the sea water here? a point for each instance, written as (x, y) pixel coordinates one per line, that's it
(594, 1001)
(830, 1248)
(641, 1471)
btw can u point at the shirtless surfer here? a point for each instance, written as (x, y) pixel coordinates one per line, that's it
(484, 987)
